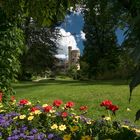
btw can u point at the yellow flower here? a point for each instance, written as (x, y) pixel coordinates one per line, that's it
(67, 137)
(44, 105)
(54, 126)
(29, 103)
(1, 105)
(13, 103)
(37, 112)
(74, 128)
(86, 137)
(15, 118)
(107, 118)
(136, 130)
(89, 122)
(2, 111)
(31, 113)
(22, 117)
(30, 118)
(76, 119)
(125, 126)
(62, 127)
(52, 111)
(128, 109)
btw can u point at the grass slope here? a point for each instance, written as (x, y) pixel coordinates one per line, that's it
(83, 93)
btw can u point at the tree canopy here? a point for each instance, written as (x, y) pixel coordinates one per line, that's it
(14, 14)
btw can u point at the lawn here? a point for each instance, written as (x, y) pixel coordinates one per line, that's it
(90, 93)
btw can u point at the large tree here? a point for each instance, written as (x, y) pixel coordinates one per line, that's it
(101, 49)
(39, 54)
(13, 14)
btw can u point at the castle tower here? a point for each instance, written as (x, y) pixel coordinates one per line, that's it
(69, 56)
(75, 55)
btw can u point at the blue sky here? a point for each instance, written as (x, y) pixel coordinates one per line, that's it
(74, 24)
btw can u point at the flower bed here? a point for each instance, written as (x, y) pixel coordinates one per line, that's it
(26, 121)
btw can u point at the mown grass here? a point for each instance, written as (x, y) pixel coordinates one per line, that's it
(90, 93)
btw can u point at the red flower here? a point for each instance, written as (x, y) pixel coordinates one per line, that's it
(47, 108)
(113, 108)
(106, 103)
(23, 102)
(64, 114)
(69, 104)
(83, 108)
(33, 109)
(12, 98)
(57, 103)
(1, 94)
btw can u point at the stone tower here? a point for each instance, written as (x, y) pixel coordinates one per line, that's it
(73, 58)
(69, 56)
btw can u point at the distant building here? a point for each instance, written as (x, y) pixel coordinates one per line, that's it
(64, 62)
(73, 57)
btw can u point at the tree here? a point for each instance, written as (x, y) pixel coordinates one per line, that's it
(101, 50)
(132, 7)
(13, 14)
(40, 52)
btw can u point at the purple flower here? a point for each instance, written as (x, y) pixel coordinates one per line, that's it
(50, 136)
(33, 131)
(9, 138)
(15, 131)
(23, 128)
(16, 137)
(30, 137)
(22, 135)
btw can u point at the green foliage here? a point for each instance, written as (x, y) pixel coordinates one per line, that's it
(112, 130)
(73, 72)
(132, 9)
(13, 14)
(101, 49)
(11, 45)
(44, 12)
(40, 53)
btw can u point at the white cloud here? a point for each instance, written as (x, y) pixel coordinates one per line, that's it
(66, 39)
(61, 56)
(82, 35)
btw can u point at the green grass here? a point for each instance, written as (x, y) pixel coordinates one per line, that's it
(83, 93)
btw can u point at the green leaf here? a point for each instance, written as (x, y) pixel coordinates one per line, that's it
(135, 81)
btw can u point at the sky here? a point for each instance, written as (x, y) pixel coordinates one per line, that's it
(72, 34)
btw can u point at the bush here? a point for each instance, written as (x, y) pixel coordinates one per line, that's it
(26, 121)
